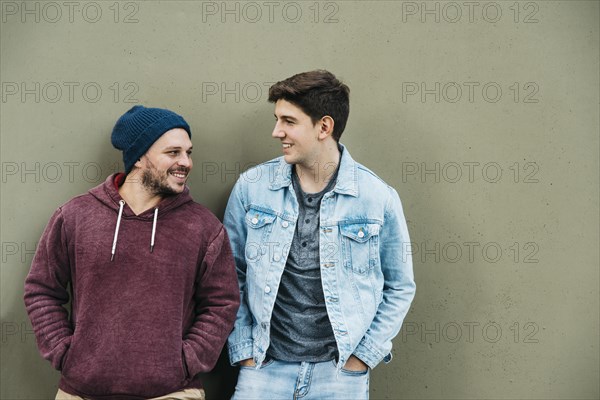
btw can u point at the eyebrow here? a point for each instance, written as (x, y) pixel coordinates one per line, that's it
(287, 117)
(176, 148)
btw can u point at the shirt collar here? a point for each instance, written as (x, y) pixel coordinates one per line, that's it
(347, 180)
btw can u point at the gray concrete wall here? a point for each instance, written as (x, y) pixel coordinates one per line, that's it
(483, 115)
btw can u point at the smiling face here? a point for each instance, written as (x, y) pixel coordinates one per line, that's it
(166, 165)
(298, 135)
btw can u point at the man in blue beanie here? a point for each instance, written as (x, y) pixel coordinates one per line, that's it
(135, 133)
(153, 286)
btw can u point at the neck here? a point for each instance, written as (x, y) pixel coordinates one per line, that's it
(137, 197)
(315, 177)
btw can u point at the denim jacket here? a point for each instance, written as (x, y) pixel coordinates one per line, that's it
(366, 270)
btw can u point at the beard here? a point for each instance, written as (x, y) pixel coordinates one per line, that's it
(156, 182)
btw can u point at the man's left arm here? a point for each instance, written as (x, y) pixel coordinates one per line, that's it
(217, 301)
(398, 287)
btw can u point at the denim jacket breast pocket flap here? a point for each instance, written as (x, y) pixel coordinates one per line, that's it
(260, 224)
(360, 233)
(257, 219)
(360, 243)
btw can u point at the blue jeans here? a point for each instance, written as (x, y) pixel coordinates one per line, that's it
(281, 380)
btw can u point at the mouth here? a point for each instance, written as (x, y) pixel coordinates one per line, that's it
(286, 145)
(179, 174)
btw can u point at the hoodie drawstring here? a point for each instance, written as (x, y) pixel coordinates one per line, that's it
(153, 229)
(114, 246)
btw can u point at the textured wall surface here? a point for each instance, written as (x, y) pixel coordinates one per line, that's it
(483, 115)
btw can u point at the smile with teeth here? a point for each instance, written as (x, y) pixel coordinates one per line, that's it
(179, 174)
(286, 145)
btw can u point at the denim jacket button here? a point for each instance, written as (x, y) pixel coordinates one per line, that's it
(255, 221)
(361, 234)
(267, 289)
(285, 224)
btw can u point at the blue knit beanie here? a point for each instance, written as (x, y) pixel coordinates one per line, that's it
(139, 128)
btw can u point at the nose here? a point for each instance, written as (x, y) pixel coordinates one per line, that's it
(185, 161)
(278, 131)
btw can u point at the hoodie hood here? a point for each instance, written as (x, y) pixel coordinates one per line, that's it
(108, 194)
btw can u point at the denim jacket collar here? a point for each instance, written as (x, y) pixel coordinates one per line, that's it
(347, 181)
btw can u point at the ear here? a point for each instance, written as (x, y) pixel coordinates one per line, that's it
(138, 163)
(326, 125)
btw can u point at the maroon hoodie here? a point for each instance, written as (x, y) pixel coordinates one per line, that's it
(144, 324)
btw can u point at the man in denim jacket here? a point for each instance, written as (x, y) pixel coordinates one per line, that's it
(320, 244)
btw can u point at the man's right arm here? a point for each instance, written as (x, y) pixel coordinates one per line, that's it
(46, 292)
(240, 341)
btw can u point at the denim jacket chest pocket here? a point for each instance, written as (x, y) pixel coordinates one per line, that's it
(360, 246)
(260, 225)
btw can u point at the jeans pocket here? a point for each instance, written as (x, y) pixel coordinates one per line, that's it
(354, 373)
(262, 366)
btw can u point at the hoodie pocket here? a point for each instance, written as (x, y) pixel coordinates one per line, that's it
(65, 357)
(360, 247)
(124, 357)
(184, 369)
(70, 361)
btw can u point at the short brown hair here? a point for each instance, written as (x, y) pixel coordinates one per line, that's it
(318, 93)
